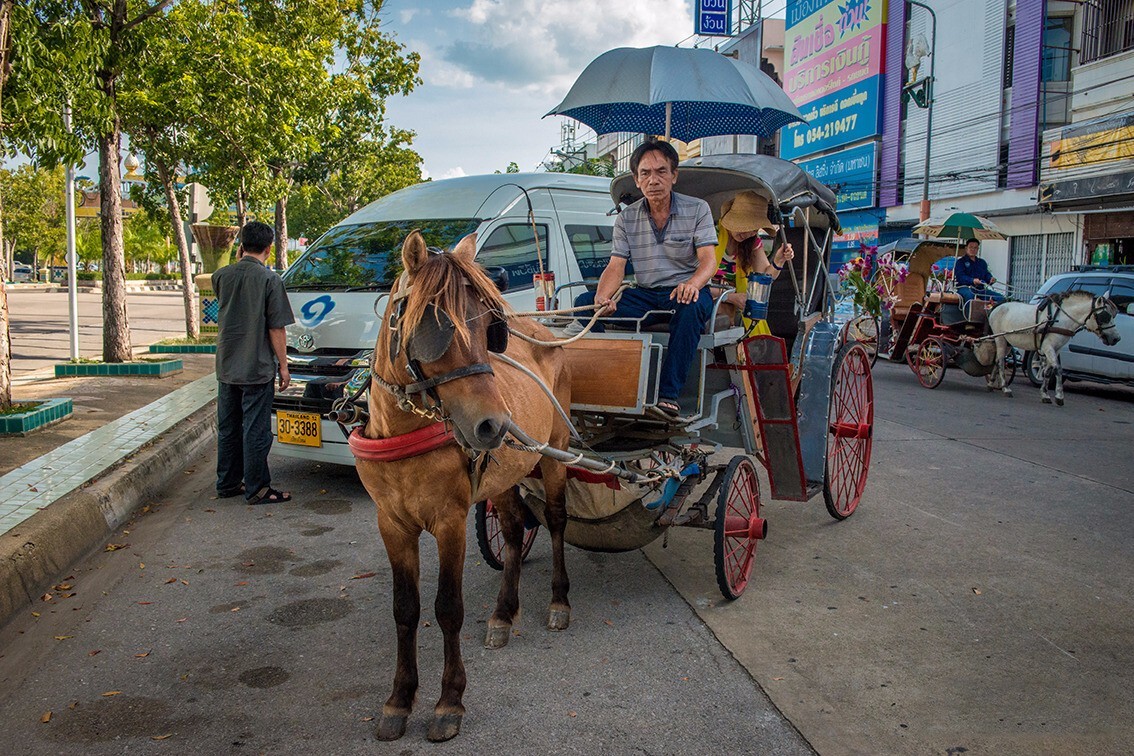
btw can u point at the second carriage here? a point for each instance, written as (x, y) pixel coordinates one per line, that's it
(798, 401)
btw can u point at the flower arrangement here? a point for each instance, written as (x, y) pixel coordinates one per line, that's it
(871, 279)
(939, 277)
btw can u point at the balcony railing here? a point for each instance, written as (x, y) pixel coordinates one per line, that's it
(1108, 28)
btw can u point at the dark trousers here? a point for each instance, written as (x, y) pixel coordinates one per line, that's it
(969, 293)
(685, 328)
(244, 437)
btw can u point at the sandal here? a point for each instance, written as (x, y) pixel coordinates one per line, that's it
(669, 408)
(270, 496)
(229, 494)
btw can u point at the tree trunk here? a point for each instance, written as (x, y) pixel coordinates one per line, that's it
(115, 323)
(281, 233)
(192, 326)
(5, 336)
(241, 210)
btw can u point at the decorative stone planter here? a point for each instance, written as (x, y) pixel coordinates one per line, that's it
(183, 348)
(208, 310)
(48, 412)
(153, 369)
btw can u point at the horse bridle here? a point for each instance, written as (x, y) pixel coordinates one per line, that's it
(1098, 311)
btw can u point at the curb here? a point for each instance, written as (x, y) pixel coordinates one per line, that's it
(37, 552)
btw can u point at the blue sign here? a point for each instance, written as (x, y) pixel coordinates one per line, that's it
(849, 173)
(313, 311)
(842, 117)
(713, 18)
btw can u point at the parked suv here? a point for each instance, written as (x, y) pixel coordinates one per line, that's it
(340, 286)
(1085, 357)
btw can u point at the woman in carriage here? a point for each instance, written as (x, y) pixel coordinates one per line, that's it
(741, 250)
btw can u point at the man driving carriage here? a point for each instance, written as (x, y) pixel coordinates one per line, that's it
(672, 242)
(974, 280)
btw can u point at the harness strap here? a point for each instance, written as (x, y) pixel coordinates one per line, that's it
(412, 444)
(462, 372)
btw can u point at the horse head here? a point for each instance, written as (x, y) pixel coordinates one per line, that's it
(1101, 320)
(446, 318)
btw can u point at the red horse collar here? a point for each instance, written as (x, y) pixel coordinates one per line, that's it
(412, 444)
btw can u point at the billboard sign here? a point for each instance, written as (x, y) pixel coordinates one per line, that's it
(842, 117)
(849, 173)
(712, 18)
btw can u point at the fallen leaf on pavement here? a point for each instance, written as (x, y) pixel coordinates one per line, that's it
(777, 678)
(35, 614)
(46, 597)
(96, 652)
(211, 510)
(572, 714)
(183, 619)
(608, 622)
(142, 655)
(110, 693)
(363, 575)
(67, 595)
(33, 489)
(63, 637)
(162, 737)
(242, 582)
(976, 591)
(73, 705)
(143, 603)
(247, 564)
(62, 587)
(46, 717)
(116, 546)
(141, 565)
(235, 609)
(368, 719)
(185, 582)
(171, 580)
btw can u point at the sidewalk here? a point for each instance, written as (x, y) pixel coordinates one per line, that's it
(65, 488)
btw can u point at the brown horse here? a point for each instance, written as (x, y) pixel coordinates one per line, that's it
(436, 343)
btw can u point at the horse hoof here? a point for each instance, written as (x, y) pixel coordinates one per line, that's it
(497, 636)
(559, 619)
(1058, 402)
(1008, 393)
(444, 727)
(1046, 400)
(392, 726)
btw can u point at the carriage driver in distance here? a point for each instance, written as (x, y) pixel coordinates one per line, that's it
(974, 280)
(672, 241)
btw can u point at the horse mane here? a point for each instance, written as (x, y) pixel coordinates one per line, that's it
(1060, 297)
(447, 281)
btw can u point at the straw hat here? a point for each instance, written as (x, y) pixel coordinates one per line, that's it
(747, 211)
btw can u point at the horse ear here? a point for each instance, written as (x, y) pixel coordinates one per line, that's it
(466, 248)
(414, 252)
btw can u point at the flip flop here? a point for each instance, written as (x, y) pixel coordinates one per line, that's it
(230, 494)
(270, 496)
(668, 408)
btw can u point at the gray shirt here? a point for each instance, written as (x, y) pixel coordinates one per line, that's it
(252, 300)
(666, 257)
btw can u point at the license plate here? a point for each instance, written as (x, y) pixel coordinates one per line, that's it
(299, 428)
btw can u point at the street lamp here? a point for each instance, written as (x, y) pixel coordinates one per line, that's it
(928, 104)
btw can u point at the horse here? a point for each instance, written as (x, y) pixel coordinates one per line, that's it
(433, 389)
(1045, 327)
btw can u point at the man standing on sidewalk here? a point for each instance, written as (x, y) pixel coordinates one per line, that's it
(251, 349)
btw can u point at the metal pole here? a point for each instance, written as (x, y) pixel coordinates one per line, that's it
(72, 289)
(924, 213)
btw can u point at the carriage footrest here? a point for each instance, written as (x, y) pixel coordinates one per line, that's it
(769, 379)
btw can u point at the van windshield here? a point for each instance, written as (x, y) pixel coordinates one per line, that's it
(368, 256)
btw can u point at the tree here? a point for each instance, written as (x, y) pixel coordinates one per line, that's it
(33, 213)
(5, 334)
(513, 167)
(588, 167)
(77, 52)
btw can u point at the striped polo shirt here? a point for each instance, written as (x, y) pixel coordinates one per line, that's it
(666, 257)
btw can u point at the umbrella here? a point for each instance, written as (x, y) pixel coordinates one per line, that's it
(960, 226)
(681, 92)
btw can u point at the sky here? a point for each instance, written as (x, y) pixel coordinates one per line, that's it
(492, 68)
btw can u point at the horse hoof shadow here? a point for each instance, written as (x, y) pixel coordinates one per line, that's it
(444, 727)
(559, 619)
(497, 636)
(1058, 402)
(391, 726)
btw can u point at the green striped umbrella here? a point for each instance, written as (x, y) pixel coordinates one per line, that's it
(962, 226)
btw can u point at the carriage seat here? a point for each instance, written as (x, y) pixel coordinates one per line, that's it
(909, 292)
(944, 297)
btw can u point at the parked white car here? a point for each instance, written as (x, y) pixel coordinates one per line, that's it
(340, 286)
(1085, 358)
(22, 272)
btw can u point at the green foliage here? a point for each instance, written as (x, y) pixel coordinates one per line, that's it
(34, 212)
(146, 239)
(589, 167)
(512, 168)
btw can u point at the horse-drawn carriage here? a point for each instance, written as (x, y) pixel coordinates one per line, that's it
(931, 327)
(798, 400)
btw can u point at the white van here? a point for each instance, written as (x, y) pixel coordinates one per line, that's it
(341, 284)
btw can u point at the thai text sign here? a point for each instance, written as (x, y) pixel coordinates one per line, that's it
(711, 18)
(842, 117)
(1103, 140)
(849, 173)
(839, 43)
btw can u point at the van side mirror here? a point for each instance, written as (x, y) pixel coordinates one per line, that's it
(499, 276)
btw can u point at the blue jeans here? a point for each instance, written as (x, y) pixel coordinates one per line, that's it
(969, 293)
(244, 437)
(685, 327)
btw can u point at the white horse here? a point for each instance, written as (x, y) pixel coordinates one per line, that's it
(1045, 327)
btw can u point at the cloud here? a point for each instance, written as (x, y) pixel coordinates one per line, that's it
(542, 46)
(455, 172)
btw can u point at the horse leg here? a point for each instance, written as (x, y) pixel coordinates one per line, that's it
(1002, 348)
(1058, 382)
(555, 487)
(450, 610)
(1052, 378)
(510, 513)
(402, 549)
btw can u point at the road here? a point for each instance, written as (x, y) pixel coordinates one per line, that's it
(41, 330)
(979, 601)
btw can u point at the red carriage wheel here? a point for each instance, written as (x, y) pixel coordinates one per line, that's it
(490, 536)
(850, 431)
(738, 526)
(928, 361)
